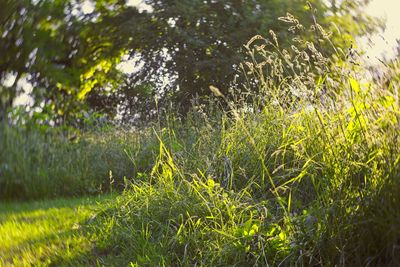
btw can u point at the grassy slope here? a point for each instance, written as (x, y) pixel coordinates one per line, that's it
(44, 232)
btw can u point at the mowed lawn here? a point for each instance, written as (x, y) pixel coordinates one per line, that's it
(44, 233)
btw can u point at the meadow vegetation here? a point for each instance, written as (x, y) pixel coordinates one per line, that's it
(298, 168)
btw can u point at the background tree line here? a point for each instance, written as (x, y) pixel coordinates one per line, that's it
(181, 47)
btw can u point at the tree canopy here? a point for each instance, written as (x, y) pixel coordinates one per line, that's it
(181, 47)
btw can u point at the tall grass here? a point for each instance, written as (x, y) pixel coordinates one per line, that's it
(306, 173)
(36, 164)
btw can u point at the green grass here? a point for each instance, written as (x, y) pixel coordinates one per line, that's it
(304, 173)
(306, 188)
(37, 164)
(45, 233)
(299, 182)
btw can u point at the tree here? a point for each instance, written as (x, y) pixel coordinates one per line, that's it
(63, 52)
(197, 43)
(71, 56)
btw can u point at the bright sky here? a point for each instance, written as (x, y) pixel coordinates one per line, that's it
(384, 43)
(88, 6)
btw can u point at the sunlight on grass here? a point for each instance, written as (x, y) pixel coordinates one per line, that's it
(45, 232)
(297, 166)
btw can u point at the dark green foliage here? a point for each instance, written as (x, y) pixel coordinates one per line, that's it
(200, 43)
(61, 53)
(70, 57)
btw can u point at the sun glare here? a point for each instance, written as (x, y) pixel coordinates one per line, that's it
(383, 44)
